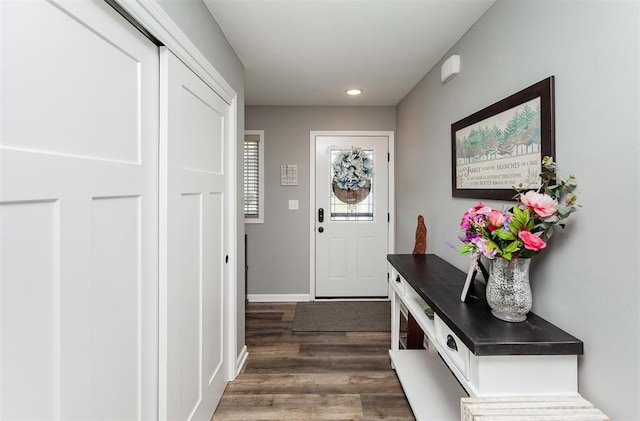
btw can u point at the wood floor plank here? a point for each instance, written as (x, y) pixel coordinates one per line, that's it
(288, 316)
(311, 375)
(271, 325)
(367, 337)
(351, 364)
(290, 407)
(318, 383)
(258, 337)
(276, 349)
(326, 350)
(251, 317)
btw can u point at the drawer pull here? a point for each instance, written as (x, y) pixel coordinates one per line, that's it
(451, 343)
(398, 278)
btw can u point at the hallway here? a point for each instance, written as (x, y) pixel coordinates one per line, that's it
(311, 376)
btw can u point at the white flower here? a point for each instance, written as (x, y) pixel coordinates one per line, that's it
(352, 169)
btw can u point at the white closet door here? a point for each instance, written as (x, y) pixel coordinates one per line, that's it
(78, 213)
(193, 369)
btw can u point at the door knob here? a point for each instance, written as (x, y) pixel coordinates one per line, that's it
(321, 230)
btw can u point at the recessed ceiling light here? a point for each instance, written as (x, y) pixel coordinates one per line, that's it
(353, 92)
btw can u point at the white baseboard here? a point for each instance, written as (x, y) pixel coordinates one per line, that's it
(277, 298)
(241, 360)
(352, 299)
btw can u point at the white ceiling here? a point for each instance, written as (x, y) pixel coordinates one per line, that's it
(308, 52)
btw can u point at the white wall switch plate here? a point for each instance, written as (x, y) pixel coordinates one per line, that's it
(293, 205)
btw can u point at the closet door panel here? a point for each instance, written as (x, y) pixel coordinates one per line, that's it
(194, 229)
(79, 90)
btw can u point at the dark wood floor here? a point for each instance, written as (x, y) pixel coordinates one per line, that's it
(311, 376)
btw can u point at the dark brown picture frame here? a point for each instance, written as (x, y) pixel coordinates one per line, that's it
(490, 148)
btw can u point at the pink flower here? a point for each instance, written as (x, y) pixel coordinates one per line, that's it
(483, 247)
(542, 204)
(531, 241)
(485, 210)
(475, 207)
(496, 218)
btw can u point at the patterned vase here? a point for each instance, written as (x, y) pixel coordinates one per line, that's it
(508, 289)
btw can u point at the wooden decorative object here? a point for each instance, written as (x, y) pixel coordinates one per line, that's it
(352, 197)
(415, 335)
(421, 237)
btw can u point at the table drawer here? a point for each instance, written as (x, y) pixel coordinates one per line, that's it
(398, 282)
(453, 347)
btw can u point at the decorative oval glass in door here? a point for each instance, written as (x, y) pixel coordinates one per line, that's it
(351, 184)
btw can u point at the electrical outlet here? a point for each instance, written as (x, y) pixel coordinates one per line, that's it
(293, 205)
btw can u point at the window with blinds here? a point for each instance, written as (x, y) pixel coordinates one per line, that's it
(253, 176)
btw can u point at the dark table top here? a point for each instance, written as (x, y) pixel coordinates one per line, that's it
(440, 285)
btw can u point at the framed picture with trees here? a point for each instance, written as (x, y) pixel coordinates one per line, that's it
(500, 148)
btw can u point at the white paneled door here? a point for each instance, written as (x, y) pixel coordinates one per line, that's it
(351, 227)
(78, 213)
(193, 369)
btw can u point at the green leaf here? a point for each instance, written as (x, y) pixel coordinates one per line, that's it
(527, 253)
(465, 249)
(520, 215)
(515, 226)
(504, 235)
(531, 224)
(517, 211)
(512, 247)
(543, 226)
(550, 231)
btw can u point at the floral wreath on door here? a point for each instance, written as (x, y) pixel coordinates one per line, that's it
(352, 174)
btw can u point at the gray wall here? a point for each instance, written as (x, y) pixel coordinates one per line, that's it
(587, 280)
(196, 22)
(278, 249)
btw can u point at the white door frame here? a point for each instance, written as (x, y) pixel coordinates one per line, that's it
(154, 19)
(312, 194)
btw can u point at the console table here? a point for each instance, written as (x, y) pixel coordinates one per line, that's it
(470, 352)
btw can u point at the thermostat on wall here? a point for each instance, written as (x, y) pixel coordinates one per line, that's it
(450, 68)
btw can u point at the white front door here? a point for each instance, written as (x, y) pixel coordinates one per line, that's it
(351, 227)
(78, 213)
(193, 370)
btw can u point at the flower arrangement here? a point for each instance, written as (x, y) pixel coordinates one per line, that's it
(352, 169)
(524, 229)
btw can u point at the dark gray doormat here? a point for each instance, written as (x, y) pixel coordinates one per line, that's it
(343, 316)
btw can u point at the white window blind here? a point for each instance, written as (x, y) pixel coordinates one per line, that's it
(253, 175)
